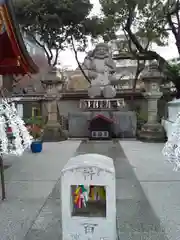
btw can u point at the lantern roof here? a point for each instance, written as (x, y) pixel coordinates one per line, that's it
(153, 71)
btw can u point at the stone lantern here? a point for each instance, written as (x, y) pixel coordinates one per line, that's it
(53, 84)
(152, 130)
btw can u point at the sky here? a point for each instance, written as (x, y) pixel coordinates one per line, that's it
(67, 59)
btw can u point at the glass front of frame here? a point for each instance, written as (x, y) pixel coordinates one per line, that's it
(88, 201)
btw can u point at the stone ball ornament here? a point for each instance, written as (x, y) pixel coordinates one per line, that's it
(94, 91)
(92, 75)
(109, 91)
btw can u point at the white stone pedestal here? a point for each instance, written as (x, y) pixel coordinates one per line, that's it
(96, 221)
(173, 110)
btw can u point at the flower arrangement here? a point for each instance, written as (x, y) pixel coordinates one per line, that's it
(14, 137)
(35, 128)
(36, 132)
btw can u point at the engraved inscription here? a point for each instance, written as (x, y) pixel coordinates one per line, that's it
(89, 228)
(75, 236)
(89, 172)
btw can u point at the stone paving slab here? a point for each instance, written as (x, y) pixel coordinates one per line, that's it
(135, 217)
(141, 236)
(159, 182)
(29, 190)
(29, 182)
(17, 216)
(148, 162)
(48, 224)
(128, 189)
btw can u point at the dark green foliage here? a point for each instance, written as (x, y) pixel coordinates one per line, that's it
(54, 21)
(174, 74)
(145, 19)
(175, 69)
(35, 126)
(38, 121)
(148, 18)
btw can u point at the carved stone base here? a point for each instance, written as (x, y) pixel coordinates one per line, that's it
(53, 133)
(152, 132)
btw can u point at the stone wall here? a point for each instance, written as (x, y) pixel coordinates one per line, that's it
(27, 108)
(78, 120)
(68, 106)
(124, 123)
(78, 124)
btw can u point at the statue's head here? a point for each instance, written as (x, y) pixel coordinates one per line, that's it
(101, 51)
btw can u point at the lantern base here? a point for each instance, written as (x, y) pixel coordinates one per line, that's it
(53, 133)
(152, 132)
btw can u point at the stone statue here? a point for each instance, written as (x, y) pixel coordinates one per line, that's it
(100, 67)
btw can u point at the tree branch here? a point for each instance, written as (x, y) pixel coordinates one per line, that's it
(175, 31)
(139, 67)
(56, 57)
(170, 22)
(49, 56)
(175, 8)
(77, 60)
(127, 28)
(177, 13)
(143, 53)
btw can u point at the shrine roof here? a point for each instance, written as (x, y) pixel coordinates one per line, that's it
(102, 117)
(14, 57)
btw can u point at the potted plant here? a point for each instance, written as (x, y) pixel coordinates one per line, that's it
(35, 127)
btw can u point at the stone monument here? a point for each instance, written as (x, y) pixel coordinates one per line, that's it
(53, 131)
(100, 69)
(173, 111)
(152, 130)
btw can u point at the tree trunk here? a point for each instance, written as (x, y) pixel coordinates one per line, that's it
(177, 86)
(178, 44)
(79, 65)
(2, 179)
(177, 93)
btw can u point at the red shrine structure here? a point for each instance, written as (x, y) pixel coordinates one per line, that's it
(14, 57)
(100, 128)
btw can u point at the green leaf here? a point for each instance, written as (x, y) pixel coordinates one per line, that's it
(54, 20)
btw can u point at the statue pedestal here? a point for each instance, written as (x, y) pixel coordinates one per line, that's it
(152, 132)
(53, 133)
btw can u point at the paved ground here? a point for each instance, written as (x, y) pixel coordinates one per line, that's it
(30, 180)
(135, 217)
(160, 184)
(148, 192)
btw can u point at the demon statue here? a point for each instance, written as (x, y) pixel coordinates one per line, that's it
(101, 71)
